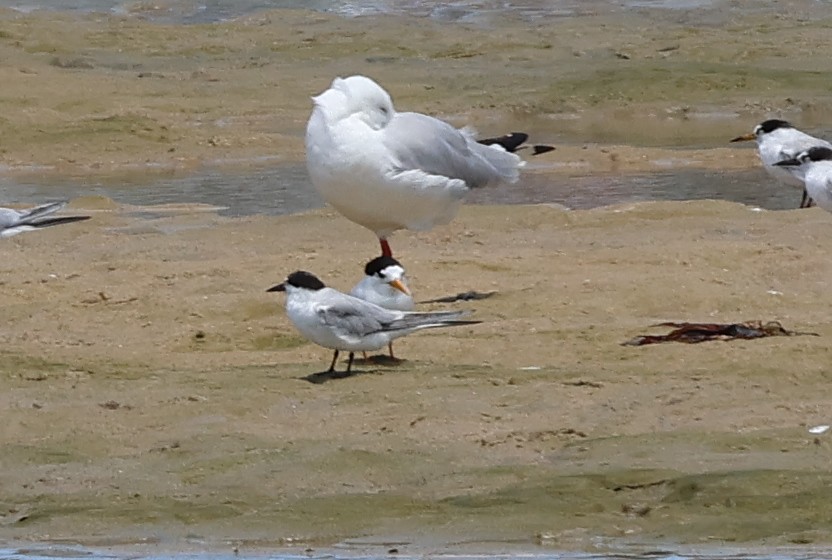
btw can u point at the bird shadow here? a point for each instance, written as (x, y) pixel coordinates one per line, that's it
(324, 376)
(331, 375)
(471, 295)
(380, 360)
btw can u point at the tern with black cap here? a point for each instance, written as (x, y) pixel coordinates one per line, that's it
(385, 285)
(816, 165)
(344, 323)
(777, 140)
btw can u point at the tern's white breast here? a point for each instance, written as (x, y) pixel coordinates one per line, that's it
(819, 184)
(382, 294)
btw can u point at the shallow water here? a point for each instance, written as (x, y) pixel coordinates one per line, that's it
(71, 552)
(209, 11)
(285, 189)
(39, 552)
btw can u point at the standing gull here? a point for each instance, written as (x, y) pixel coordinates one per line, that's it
(385, 285)
(13, 222)
(387, 170)
(778, 140)
(335, 320)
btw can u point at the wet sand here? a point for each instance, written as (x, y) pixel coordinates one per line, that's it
(102, 94)
(151, 387)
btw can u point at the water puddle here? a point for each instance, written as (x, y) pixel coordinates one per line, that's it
(366, 552)
(471, 11)
(285, 189)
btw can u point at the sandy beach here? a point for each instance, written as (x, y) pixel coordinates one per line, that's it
(152, 390)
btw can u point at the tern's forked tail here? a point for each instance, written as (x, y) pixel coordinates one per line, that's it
(431, 320)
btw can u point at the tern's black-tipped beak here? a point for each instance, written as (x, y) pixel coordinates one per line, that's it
(279, 288)
(744, 138)
(788, 163)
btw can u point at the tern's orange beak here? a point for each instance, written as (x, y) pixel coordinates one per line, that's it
(400, 286)
(745, 137)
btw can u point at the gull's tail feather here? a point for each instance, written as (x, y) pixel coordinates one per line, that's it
(40, 211)
(506, 164)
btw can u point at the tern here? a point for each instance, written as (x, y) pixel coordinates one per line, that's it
(341, 322)
(816, 165)
(385, 285)
(778, 140)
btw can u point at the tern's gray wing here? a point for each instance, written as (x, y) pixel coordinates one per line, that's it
(353, 316)
(27, 216)
(12, 218)
(419, 142)
(9, 218)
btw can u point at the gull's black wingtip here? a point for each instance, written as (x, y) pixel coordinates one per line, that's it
(538, 149)
(510, 142)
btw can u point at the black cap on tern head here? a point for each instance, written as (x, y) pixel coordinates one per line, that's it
(819, 153)
(771, 125)
(299, 279)
(763, 128)
(380, 263)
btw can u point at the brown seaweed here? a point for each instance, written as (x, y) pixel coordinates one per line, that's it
(462, 296)
(693, 333)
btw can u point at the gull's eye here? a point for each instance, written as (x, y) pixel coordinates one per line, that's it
(383, 109)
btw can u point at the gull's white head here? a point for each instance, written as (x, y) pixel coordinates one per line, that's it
(387, 270)
(357, 96)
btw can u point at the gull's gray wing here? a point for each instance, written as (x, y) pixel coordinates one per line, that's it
(422, 143)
